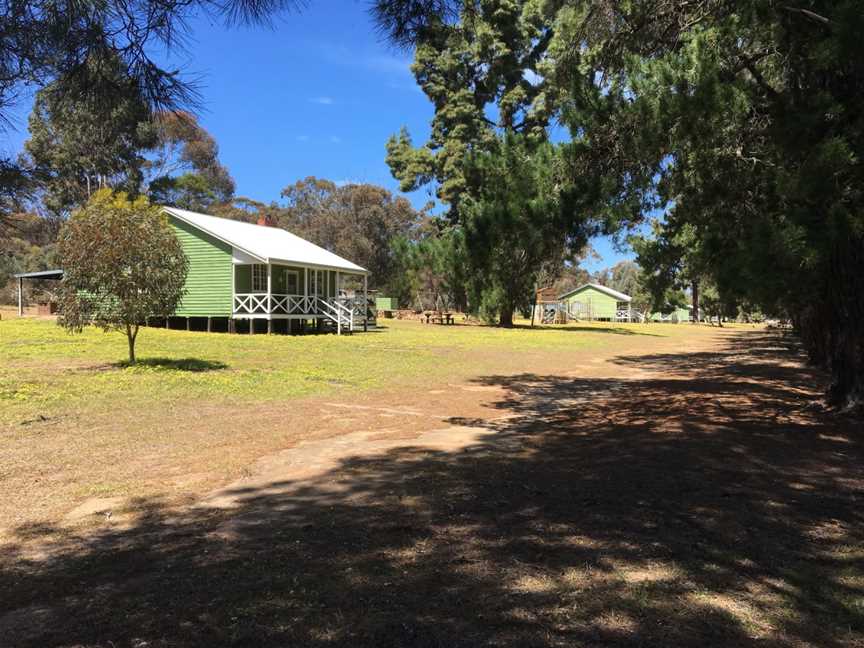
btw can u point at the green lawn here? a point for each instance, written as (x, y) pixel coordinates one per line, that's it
(45, 371)
(199, 408)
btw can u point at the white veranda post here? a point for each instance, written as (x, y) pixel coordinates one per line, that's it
(269, 297)
(20, 296)
(365, 301)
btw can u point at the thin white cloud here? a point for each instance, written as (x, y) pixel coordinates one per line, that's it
(335, 139)
(395, 71)
(389, 63)
(302, 138)
(324, 101)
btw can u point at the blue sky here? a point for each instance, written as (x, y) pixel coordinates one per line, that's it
(316, 95)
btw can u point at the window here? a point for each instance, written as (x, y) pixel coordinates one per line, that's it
(292, 282)
(319, 285)
(259, 278)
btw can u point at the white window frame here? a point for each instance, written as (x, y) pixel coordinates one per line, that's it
(259, 277)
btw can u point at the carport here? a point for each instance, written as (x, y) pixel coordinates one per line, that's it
(51, 275)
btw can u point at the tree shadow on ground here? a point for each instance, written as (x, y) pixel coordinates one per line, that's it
(702, 509)
(578, 328)
(176, 364)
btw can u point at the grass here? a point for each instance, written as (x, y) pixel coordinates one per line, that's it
(602, 488)
(198, 408)
(46, 371)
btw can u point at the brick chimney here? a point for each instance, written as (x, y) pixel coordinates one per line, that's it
(265, 220)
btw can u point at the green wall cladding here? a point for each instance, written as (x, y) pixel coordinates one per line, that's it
(598, 304)
(386, 303)
(208, 281)
(678, 315)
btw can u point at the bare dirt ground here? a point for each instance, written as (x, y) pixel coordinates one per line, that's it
(683, 495)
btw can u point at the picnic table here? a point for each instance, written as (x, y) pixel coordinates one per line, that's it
(438, 317)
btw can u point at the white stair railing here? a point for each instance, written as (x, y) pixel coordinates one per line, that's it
(338, 313)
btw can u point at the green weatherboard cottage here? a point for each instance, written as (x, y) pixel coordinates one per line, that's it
(242, 271)
(596, 302)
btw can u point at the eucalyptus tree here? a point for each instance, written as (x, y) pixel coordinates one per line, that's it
(121, 264)
(81, 143)
(183, 166)
(359, 221)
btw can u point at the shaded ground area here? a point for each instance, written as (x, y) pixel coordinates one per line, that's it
(677, 499)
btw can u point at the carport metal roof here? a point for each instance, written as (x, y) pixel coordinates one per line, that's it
(42, 274)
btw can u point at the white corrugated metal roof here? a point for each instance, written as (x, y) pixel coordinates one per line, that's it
(612, 293)
(269, 244)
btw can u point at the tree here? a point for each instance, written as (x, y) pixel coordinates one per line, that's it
(25, 245)
(79, 143)
(44, 41)
(182, 145)
(193, 191)
(493, 72)
(671, 260)
(484, 75)
(742, 116)
(757, 106)
(626, 277)
(17, 187)
(514, 224)
(122, 263)
(429, 272)
(357, 221)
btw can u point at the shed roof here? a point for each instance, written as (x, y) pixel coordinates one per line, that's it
(41, 274)
(612, 293)
(269, 244)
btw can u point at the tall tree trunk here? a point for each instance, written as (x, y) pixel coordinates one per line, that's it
(845, 308)
(694, 292)
(505, 317)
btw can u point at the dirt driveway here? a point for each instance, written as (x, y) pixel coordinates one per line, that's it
(682, 497)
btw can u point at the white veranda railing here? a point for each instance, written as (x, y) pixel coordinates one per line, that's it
(341, 310)
(264, 304)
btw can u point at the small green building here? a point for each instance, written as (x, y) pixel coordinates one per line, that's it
(386, 303)
(595, 302)
(679, 314)
(244, 271)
